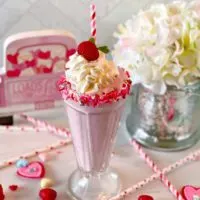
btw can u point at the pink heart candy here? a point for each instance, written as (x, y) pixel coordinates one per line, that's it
(33, 170)
(189, 192)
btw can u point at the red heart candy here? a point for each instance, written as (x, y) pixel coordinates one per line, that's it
(33, 170)
(189, 192)
(2, 197)
(145, 197)
(13, 187)
(48, 194)
(1, 193)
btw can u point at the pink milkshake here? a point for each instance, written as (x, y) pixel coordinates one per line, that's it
(93, 132)
(94, 90)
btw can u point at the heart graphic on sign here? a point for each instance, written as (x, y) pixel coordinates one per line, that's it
(191, 193)
(13, 73)
(13, 58)
(33, 170)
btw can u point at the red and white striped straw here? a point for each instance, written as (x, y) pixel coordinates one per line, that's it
(48, 148)
(40, 126)
(129, 191)
(63, 132)
(18, 129)
(155, 168)
(93, 21)
(191, 157)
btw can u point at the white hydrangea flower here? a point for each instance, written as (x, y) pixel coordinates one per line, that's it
(161, 46)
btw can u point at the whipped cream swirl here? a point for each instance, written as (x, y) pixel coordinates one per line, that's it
(94, 77)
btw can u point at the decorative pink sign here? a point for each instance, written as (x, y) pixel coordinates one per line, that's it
(33, 62)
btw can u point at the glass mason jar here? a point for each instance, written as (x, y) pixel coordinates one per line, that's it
(165, 122)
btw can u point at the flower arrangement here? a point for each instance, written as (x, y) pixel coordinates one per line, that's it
(160, 46)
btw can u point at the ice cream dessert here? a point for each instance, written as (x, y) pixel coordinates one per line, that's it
(93, 83)
(94, 91)
(93, 80)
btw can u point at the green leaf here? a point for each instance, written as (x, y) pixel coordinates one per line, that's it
(92, 40)
(104, 49)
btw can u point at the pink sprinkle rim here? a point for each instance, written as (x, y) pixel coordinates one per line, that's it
(68, 93)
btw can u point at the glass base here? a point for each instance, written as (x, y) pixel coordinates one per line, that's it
(93, 187)
(152, 142)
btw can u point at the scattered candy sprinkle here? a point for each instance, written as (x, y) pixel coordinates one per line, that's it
(13, 187)
(68, 93)
(21, 163)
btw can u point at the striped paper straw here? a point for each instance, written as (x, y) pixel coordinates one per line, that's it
(129, 191)
(18, 129)
(36, 152)
(63, 132)
(93, 21)
(155, 168)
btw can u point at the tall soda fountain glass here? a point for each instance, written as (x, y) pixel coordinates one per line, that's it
(94, 91)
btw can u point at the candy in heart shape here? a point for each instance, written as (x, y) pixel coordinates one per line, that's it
(191, 193)
(145, 197)
(48, 194)
(33, 170)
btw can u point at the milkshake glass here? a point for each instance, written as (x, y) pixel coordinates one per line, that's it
(93, 120)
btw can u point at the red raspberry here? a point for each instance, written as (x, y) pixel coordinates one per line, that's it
(88, 50)
(145, 197)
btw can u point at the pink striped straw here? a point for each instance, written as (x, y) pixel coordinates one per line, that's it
(155, 168)
(93, 21)
(40, 126)
(18, 129)
(36, 152)
(129, 191)
(63, 132)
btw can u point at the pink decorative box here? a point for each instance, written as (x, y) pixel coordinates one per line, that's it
(33, 62)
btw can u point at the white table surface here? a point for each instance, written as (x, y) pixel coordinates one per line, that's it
(129, 165)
